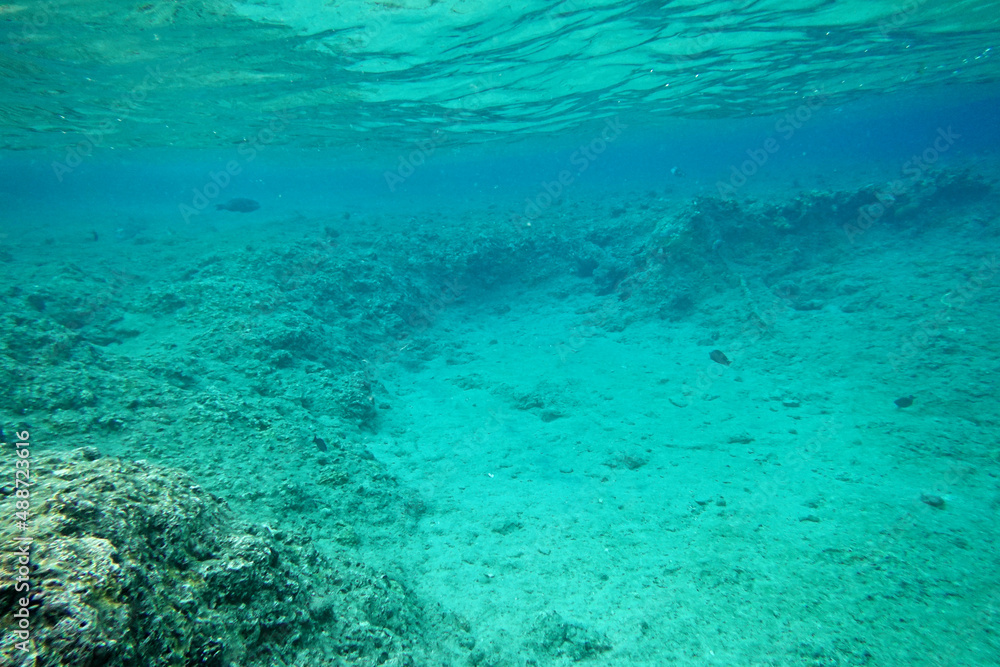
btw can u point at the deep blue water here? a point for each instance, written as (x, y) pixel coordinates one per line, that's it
(823, 147)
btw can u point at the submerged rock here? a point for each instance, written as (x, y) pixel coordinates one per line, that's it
(131, 563)
(555, 638)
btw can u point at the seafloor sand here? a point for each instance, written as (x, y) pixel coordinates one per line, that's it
(559, 467)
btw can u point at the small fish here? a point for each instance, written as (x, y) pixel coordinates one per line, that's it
(719, 358)
(904, 402)
(238, 205)
(320, 443)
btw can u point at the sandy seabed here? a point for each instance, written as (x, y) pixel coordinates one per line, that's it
(525, 427)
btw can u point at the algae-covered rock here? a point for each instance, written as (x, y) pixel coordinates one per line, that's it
(134, 564)
(554, 638)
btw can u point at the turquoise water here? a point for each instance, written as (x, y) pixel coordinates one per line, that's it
(464, 333)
